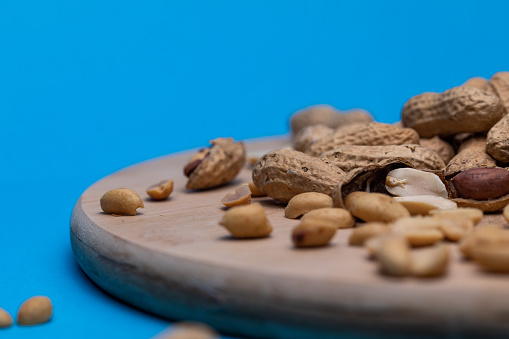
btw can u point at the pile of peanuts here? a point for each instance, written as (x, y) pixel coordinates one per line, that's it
(407, 189)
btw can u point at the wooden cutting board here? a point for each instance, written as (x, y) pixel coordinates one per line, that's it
(174, 260)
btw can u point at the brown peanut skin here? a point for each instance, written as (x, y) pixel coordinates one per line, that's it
(497, 141)
(482, 183)
(282, 174)
(349, 157)
(224, 161)
(372, 134)
(457, 110)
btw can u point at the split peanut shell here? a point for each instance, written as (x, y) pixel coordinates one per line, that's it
(220, 164)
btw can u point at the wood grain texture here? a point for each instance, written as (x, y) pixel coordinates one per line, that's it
(174, 260)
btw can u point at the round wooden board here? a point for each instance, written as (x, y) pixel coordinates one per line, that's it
(173, 259)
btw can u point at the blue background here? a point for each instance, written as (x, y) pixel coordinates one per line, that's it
(89, 87)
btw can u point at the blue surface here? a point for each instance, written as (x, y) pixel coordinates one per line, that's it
(89, 87)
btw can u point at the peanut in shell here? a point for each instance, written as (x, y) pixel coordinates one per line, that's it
(349, 157)
(457, 110)
(282, 174)
(372, 134)
(442, 147)
(497, 142)
(220, 164)
(500, 84)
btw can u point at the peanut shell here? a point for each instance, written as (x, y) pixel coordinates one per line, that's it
(282, 174)
(500, 83)
(372, 134)
(471, 153)
(477, 82)
(497, 142)
(442, 147)
(309, 135)
(457, 110)
(348, 157)
(224, 161)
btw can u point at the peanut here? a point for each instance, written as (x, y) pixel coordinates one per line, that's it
(216, 165)
(372, 134)
(455, 227)
(471, 153)
(305, 202)
(377, 207)
(248, 221)
(364, 232)
(394, 256)
(423, 204)
(348, 157)
(309, 135)
(282, 174)
(5, 319)
(255, 192)
(477, 82)
(337, 217)
(505, 213)
(430, 261)
(410, 182)
(35, 310)
(486, 233)
(490, 249)
(160, 191)
(481, 183)
(496, 140)
(313, 233)
(457, 110)
(241, 196)
(121, 201)
(189, 330)
(328, 116)
(500, 84)
(440, 146)
(474, 214)
(419, 231)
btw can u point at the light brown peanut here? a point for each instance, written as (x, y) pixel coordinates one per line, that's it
(255, 192)
(215, 166)
(496, 140)
(423, 204)
(241, 196)
(5, 319)
(440, 146)
(430, 261)
(188, 330)
(35, 310)
(471, 153)
(305, 202)
(248, 221)
(455, 227)
(313, 233)
(364, 232)
(490, 249)
(348, 157)
(328, 116)
(474, 214)
(419, 231)
(377, 207)
(121, 201)
(160, 191)
(486, 233)
(282, 174)
(457, 110)
(337, 217)
(372, 134)
(394, 256)
(500, 84)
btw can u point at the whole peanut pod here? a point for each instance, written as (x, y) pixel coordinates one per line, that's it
(457, 110)
(372, 134)
(282, 174)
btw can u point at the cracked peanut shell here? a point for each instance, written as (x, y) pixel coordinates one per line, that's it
(471, 153)
(282, 174)
(349, 157)
(457, 110)
(217, 165)
(371, 134)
